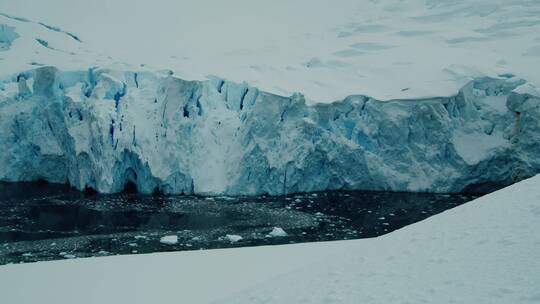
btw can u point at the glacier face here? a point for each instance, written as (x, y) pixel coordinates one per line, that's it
(105, 129)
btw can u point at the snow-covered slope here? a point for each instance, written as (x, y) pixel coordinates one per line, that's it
(485, 251)
(324, 49)
(103, 128)
(26, 44)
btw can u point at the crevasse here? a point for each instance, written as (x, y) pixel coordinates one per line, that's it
(106, 129)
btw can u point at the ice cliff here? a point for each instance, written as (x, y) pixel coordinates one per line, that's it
(107, 129)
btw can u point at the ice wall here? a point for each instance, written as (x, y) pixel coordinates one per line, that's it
(104, 129)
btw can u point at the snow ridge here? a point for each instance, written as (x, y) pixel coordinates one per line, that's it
(109, 129)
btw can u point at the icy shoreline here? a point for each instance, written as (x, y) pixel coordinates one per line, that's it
(108, 129)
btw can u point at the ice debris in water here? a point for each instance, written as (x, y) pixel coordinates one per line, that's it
(233, 238)
(67, 256)
(277, 232)
(169, 239)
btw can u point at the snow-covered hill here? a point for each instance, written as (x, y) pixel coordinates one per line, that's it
(27, 44)
(324, 49)
(485, 251)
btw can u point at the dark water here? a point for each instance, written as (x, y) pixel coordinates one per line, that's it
(46, 222)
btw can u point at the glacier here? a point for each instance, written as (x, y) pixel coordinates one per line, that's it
(109, 129)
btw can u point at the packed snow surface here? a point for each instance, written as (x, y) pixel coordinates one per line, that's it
(324, 49)
(485, 251)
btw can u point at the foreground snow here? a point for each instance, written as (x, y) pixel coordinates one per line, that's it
(485, 251)
(326, 50)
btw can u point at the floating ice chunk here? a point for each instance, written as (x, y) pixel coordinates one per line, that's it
(169, 239)
(277, 232)
(233, 238)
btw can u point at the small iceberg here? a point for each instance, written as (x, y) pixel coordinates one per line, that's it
(169, 240)
(277, 232)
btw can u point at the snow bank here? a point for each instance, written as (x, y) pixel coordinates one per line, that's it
(108, 129)
(482, 252)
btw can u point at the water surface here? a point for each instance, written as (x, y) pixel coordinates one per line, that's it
(47, 222)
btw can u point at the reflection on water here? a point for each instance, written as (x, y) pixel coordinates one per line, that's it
(46, 222)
